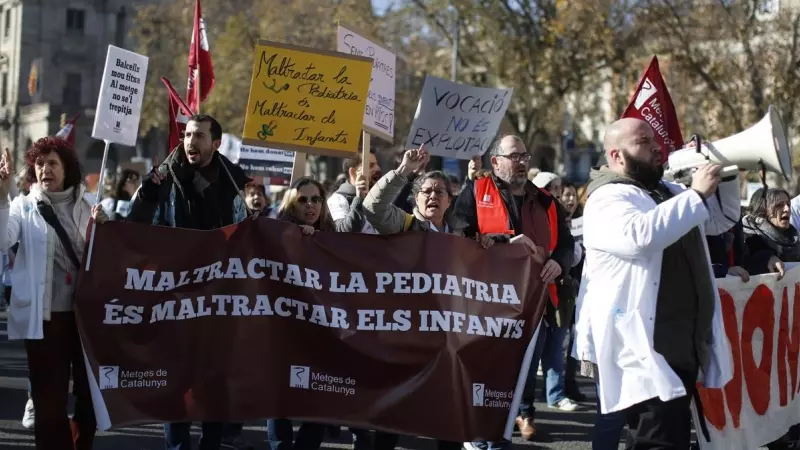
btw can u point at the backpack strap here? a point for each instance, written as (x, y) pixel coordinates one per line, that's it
(49, 216)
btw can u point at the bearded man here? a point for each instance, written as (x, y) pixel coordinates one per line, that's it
(649, 320)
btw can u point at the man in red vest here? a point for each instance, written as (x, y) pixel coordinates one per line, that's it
(507, 207)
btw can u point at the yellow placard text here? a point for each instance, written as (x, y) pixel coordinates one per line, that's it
(307, 100)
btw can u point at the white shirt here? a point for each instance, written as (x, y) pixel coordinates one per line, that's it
(340, 208)
(625, 234)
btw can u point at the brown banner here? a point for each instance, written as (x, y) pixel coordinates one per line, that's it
(420, 334)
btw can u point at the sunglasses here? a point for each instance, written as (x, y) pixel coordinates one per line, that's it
(315, 199)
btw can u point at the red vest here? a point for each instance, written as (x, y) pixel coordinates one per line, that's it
(493, 218)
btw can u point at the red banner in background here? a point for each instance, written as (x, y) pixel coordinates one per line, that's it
(652, 103)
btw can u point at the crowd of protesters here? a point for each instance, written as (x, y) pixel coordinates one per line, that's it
(45, 212)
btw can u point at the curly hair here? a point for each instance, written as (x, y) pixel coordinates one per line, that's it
(69, 159)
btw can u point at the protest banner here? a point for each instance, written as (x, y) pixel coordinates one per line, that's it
(274, 165)
(379, 111)
(257, 320)
(455, 120)
(306, 100)
(119, 105)
(760, 403)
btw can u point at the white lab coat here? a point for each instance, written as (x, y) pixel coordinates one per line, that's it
(31, 277)
(625, 234)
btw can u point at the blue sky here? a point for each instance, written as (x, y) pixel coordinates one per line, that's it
(380, 5)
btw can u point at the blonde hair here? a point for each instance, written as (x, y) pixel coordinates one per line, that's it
(532, 172)
(289, 200)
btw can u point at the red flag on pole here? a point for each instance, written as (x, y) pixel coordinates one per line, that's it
(201, 70)
(179, 115)
(68, 132)
(652, 103)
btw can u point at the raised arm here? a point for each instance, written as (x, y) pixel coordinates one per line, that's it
(379, 208)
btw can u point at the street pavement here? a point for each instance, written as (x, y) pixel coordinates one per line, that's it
(568, 431)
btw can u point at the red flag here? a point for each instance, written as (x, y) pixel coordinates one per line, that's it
(651, 102)
(179, 115)
(199, 62)
(68, 132)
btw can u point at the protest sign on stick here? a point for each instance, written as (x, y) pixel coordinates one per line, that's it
(379, 111)
(306, 100)
(119, 108)
(455, 120)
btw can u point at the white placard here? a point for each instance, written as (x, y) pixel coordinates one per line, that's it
(379, 112)
(119, 105)
(455, 120)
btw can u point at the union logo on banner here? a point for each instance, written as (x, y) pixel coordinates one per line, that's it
(652, 103)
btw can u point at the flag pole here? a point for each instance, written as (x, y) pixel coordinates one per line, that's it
(197, 83)
(100, 181)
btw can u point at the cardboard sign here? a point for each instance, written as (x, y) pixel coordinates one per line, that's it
(455, 120)
(119, 105)
(306, 100)
(379, 112)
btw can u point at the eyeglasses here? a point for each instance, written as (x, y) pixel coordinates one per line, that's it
(438, 193)
(315, 200)
(517, 157)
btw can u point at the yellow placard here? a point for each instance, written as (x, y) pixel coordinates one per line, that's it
(307, 100)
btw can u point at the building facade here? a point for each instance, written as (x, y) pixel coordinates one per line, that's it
(52, 55)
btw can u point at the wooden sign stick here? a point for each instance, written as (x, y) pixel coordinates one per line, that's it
(365, 156)
(298, 167)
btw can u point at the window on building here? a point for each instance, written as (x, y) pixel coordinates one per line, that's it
(72, 90)
(4, 89)
(75, 20)
(7, 23)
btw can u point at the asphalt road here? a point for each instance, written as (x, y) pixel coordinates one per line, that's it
(568, 431)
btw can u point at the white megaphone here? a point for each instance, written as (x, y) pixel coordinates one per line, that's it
(762, 145)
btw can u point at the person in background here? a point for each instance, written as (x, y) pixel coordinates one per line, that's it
(431, 193)
(50, 220)
(774, 240)
(346, 203)
(559, 319)
(528, 213)
(197, 188)
(119, 202)
(255, 195)
(303, 205)
(569, 199)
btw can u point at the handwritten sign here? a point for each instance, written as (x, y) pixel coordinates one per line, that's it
(306, 100)
(119, 105)
(455, 120)
(379, 112)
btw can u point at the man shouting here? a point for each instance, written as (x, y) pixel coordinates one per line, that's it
(648, 311)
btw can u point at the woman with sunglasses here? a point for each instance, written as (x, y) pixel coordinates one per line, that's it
(305, 206)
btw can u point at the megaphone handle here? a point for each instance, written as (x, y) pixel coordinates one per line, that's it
(728, 171)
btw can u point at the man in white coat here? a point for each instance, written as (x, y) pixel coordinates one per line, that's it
(649, 320)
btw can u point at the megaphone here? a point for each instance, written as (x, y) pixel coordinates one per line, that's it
(762, 145)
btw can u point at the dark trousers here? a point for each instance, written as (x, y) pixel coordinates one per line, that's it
(49, 363)
(367, 440)
(281, 435)
(177, 435)
(659, 425)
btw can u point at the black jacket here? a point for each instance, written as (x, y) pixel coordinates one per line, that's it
(176, 202)
(466, 218)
